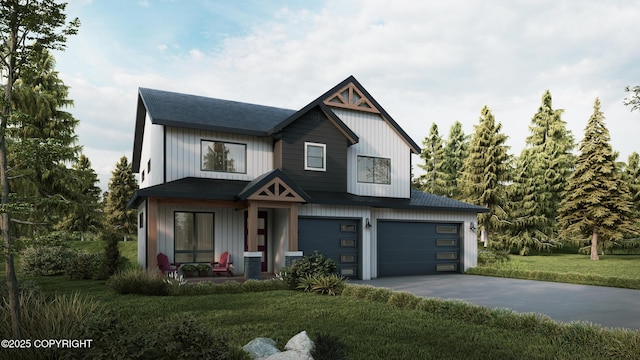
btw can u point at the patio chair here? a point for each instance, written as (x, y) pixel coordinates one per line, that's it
(222, 266)
(165, 266)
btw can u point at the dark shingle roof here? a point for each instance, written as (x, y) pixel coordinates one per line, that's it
(199, 112)
(230, 190)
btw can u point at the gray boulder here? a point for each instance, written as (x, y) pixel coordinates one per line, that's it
(260, 348)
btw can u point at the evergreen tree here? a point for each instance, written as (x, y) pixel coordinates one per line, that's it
(41, 141)
(432, 154)
(121, 188)
(597, 203)
(632, 177)
(85, 214)
(485, 173)
(26, 29)
(456, 150)
(540, 180)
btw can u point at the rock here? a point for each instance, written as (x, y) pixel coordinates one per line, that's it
(300, 342)
(261, 348)
(290, 355)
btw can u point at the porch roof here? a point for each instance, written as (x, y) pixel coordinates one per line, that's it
(230, 190)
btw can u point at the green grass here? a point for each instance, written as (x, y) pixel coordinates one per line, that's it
(622, 266)
(611, 270)
(374, 329)
(371, 329)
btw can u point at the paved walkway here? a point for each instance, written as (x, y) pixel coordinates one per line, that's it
(609, 307)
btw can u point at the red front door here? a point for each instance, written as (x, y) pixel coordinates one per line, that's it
(261, 236)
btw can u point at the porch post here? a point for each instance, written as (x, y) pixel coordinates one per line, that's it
(252, 257)
(293, 227)
(152, 234)
(293, 253)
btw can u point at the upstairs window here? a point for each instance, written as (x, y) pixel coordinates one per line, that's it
(374, 170)
(315, 156)
(224, 157)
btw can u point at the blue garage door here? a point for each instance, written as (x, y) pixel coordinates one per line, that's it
(417, 248)
(339, 239)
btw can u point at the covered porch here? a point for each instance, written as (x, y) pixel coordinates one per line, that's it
(194, 220)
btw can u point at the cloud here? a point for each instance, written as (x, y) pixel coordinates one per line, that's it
(423, 61)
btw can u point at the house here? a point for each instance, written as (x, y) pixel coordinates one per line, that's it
(270, 185)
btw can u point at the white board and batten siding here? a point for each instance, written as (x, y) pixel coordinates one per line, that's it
(151, 156)
(377, 139)
(184, 155)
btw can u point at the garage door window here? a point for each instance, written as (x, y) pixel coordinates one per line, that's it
(446, 229)
(447, 267)
(348, 243)
(447, 256)
(447, 242)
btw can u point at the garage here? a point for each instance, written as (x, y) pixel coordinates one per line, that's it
(417, 248)
(339, 239)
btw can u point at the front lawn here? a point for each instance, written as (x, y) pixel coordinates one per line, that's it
(371, 329)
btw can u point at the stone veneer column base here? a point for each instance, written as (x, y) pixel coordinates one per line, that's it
(252, 265)
(290, 256)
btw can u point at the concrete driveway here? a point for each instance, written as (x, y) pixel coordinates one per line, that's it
(609, 307)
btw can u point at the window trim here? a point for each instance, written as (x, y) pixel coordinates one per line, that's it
(373, 181)
(202, 168)
(306, 158)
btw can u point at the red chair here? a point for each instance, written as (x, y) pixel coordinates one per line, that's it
(222, 266)
(165, 266)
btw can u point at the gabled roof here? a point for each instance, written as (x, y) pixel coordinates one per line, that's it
(199, 112)
(287, 189)
(364, 102)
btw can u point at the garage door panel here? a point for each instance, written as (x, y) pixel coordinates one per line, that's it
(416, 248)
(338, 239)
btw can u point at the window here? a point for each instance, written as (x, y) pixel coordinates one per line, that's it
(141, 220)
(142, 180)
(193, 236)
(315, 156)
(149, 166)
(224, 157)
(374, 170)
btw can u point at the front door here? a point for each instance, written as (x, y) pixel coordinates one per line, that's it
(262, 236)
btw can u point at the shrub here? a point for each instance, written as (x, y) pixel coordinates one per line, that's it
(138, 281)
(488, 257)
(113, 261)
(325, 284)
(59, 318)
(316, 264)
(404, 300)
(85, 265)
(186, 338)
(25, 287)
(329, 347)
(46, 260)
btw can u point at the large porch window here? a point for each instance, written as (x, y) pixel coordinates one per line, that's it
(193, 234)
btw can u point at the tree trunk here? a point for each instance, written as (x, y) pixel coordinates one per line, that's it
(594, 244)
(5, 221)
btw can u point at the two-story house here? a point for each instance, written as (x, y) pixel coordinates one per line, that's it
(269, 185)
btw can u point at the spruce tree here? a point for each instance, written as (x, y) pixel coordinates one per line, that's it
(121, 188)
(85, 214)
(597, 203)
(540, 180)
(485, 173)
(456, 150)
(632, 177)
(432, 154)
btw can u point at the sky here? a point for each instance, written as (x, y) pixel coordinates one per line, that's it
(424, 61)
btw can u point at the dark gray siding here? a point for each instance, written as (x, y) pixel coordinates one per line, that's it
(315, 127)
